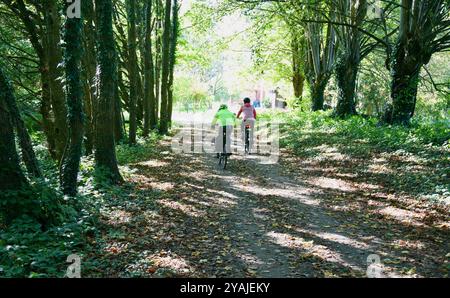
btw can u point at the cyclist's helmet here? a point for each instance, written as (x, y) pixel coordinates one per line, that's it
(246, 100)
(223, 107)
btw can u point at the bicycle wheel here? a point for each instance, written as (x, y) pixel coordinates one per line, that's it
(247, 141)
(225, 161)
(224, 153)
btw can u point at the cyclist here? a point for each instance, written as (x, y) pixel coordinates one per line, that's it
(226, 121)
(249, 117)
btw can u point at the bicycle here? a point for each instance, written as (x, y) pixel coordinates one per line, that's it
(247, 138)
(223, 156)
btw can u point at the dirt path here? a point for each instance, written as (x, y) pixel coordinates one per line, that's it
(182, 216)
(278, 214)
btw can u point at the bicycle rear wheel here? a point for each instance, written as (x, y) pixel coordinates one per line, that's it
(225, 161)
(247, 140)
(224, 154)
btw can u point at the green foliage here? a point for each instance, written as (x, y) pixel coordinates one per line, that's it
(357, 128)
(27, 251)
(417, 156)
(39, 201)
(143, 150)
(37, 243)
(191, 95)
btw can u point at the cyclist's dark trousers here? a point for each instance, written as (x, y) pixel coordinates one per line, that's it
(224, 136)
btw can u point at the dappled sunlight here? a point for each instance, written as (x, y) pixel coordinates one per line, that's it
(224, 194)
(117, 217)
(249, 259)
(261, 213)
(158, 264)
(376, 203)
(166, 153)
(329, 153)
(211, 201)
(301, 194)
(223, 197)
(407, 157)
(141, 179)
(187, 209)
(162, 186)
(332, 183)
(151, 216)
(380, 166)
(339, 238)
(310, 247)
(197, 201)
(345, 208)
(170, 261)
(199, 175)
(319, 216)
(150, 182)
(408, 244)
(223, 221)
(153, 163)
(197, 187)
(220, 202)
(146, 181)
(366, 186)
(288, 193)
(346, 175)
(402, 215)
(309, 166)
(115, 248)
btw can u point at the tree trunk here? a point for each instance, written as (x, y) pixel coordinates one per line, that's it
(320, 62)
(317, 87)
(353, 12)
(346, 71)
(132, 71)
(52, 20)
(39, 41)
(158, 58)
(45, 110)
(140, 24)
(404, 84)
(11, 176)
(149, 80)
(105, 153)
(298, 58)
(89, 65)
(173, 49)
(119, 129)
(119, 121)
(409, 56)
(139, 98)
(164, 121)
(298, 80)
(70, 163)
(26, 146)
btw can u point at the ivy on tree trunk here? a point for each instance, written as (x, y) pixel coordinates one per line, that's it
(70, 163)
(105, 152)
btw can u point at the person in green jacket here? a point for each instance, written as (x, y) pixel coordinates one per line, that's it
(226, 121)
